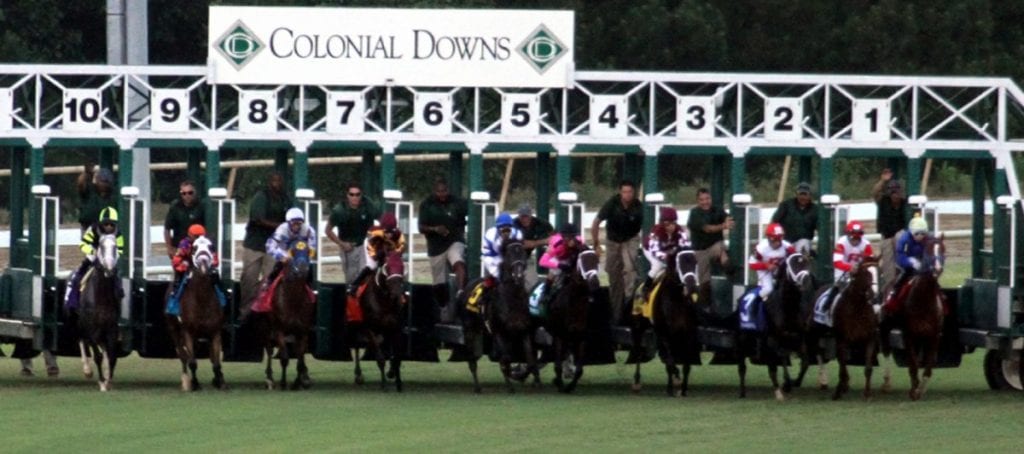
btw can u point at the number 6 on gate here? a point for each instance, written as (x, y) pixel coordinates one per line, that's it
(433, 113)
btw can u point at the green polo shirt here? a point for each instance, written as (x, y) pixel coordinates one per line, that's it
(352, 224)
(798, 223)
(623, 223)
(695, 224)
(451, 214)
(180, 218)
(538, 229)
(264, 205)
(91, 205)
(891, 218)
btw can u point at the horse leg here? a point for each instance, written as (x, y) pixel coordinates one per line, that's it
(844, 374)
(396, 365)
(375, 343)
(822, 373)
(186, 383)
(192, 365)
(359, 369)
(97, 358)
(930, 356)
(112, 349)
(577, 362)
(671, 371)
(559, 354)
(912, 351)
(869, 359)
(269, 380)
(531, 359)
(215, 351)
(741, 369)
(282, 351)
(86, 370)
(302, 380)
(505, 362)
(637, 352)
(773, 373)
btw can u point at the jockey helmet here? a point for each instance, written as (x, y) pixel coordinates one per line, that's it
(918, 225)
(294, 214)
(568, 229)
(668, 214)
(854, 228)
(388, 221)
(504, 220)
(774, 231)
(196, 230)
(108, 215)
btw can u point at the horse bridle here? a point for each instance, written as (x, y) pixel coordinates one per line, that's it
(106, 254)
(799, 276)
(201, 249)
(679, 270)
(586, 274)
(518, 266)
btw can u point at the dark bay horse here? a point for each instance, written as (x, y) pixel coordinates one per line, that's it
(291, 315)
(675, 322)
(567, 319)
(506, 314)
(920, 318)
(783, 333)
(854, 324)
(99, 313)
(201, 318)
(382, 303)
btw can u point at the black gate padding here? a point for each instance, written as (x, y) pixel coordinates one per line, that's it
(950, 349)
(240, 340)
(151, 326)
(330, 329)
(600, 343)
(419, 340)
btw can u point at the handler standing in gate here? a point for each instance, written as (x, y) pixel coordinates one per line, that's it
(625, 215)
(352, 218)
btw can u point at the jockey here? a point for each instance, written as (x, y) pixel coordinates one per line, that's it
(910, 252)
(666, 239)
(561, 248)
(850, 249)
(182, 259)
(90, 240)
(494, 238)
(767, 255)
(380, 242)
(290, 232)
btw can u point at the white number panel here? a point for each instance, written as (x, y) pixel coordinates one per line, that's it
(433, 113)
(6, 107)
(83, 110)
(345, 112)
(520, 114)
(783, 118)
(695, 117)
(257, 111)
(169, 110)
(871, 120)
(609, 116)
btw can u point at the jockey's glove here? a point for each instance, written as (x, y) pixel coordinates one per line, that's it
(915, 263)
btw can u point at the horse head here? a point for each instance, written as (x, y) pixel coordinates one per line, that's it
(586, 268)
(202, 255)
(934, 254)
(686, 269)
(513, 264)
(106, 254)
(394, 281)
(298, 267)
(798, 271)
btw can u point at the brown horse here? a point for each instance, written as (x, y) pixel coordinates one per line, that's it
(854, 324)
(291, 315)
(201, 318)
(674, 321)
(382, 303)
(567, 319)
(506, 314)
(99, 314)
(920, 318)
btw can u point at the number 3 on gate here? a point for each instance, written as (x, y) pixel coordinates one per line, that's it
(257, 111)
(695, 117)
(169, 110)
(609, 116)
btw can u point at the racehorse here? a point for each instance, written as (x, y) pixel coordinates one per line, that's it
(382, 304)
(674, 321)
(782, 333)
(920, 318)
(853, 324)
(201, 317)
(567, 318)
(291, 315)
(99, 313)
(506, 314)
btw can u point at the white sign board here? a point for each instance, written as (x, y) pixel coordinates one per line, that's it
(433, 113)
(6, 107)
(83, 110)
(345, 110)
(520, 114)
(609, 116)
(871, 120)
(783, 118)
(257, 111)
(170, 110)
(378, 46)
(695, 117)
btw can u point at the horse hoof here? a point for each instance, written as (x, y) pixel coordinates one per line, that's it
(915, 395)
(823, 387)
(779, 395)
(270, 385)
(636, 387)
(360, 380)
(52, 372)
(677, 393)
(104, 386)
(196, 386)
(886, 386)
(477, 390)
(86, 373)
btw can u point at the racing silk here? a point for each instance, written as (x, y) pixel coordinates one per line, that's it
(846, 254)
(557, 252)
(283, 239)
(491, 246)
(91, 239)
(659, 241)
(764, 255)
(182, 259)
(376, 237)
(906, 248)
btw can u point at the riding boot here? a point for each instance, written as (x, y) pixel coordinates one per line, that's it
(648, 286)
(74, 285)
(354, 285)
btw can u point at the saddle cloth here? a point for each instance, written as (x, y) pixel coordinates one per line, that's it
(353, 311)
(644, 304)
(264, 301)
(824, 307)
(751, 311)
(536, 308)
(476, 295)
(174, 301)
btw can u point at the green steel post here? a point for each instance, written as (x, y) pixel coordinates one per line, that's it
(17, 206)
(650, 182)
(301, 170)
(281, 167)
(474, 233)
(563, 183)
(369, 172)
(1000, 232)
(212, 169)
(718, 164)
(35, 214)
(979, 169)
(804, 169)
(387, 169)
(107, 158)
(913, 176)
(737, 172)
(194, 171)
(543, 185)
(825, 236)
(124, 179)
(455, 172)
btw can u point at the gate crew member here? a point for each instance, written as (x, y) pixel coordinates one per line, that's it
(536, 232)
(768, 253)
(184, 212)
(666, 239)
(352, 218)
(443, 222)
(266, 213)
(625, 215)
(799, 218)
(891, 218)
(106, 225)
(96, 191)
(706, 225)
(380, 242)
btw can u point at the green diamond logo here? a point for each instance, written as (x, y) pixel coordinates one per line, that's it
(541, 49)
(239, 45)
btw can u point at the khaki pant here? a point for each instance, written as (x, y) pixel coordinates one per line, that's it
(620, 264)
(441, 264)
(704, 260)
(256, 265)
(887, 264)
(531, 272)
(352, 262)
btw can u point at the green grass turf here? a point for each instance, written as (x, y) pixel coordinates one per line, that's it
(438, 411)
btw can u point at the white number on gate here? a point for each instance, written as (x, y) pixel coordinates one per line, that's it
(695, 117)
(83, 110)
(871, 120)
(345, 112)
(169, 110)
(257, 111)
(609, 116)
(783, 118)
(6, 107)
(520, 114)
(433, 113)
